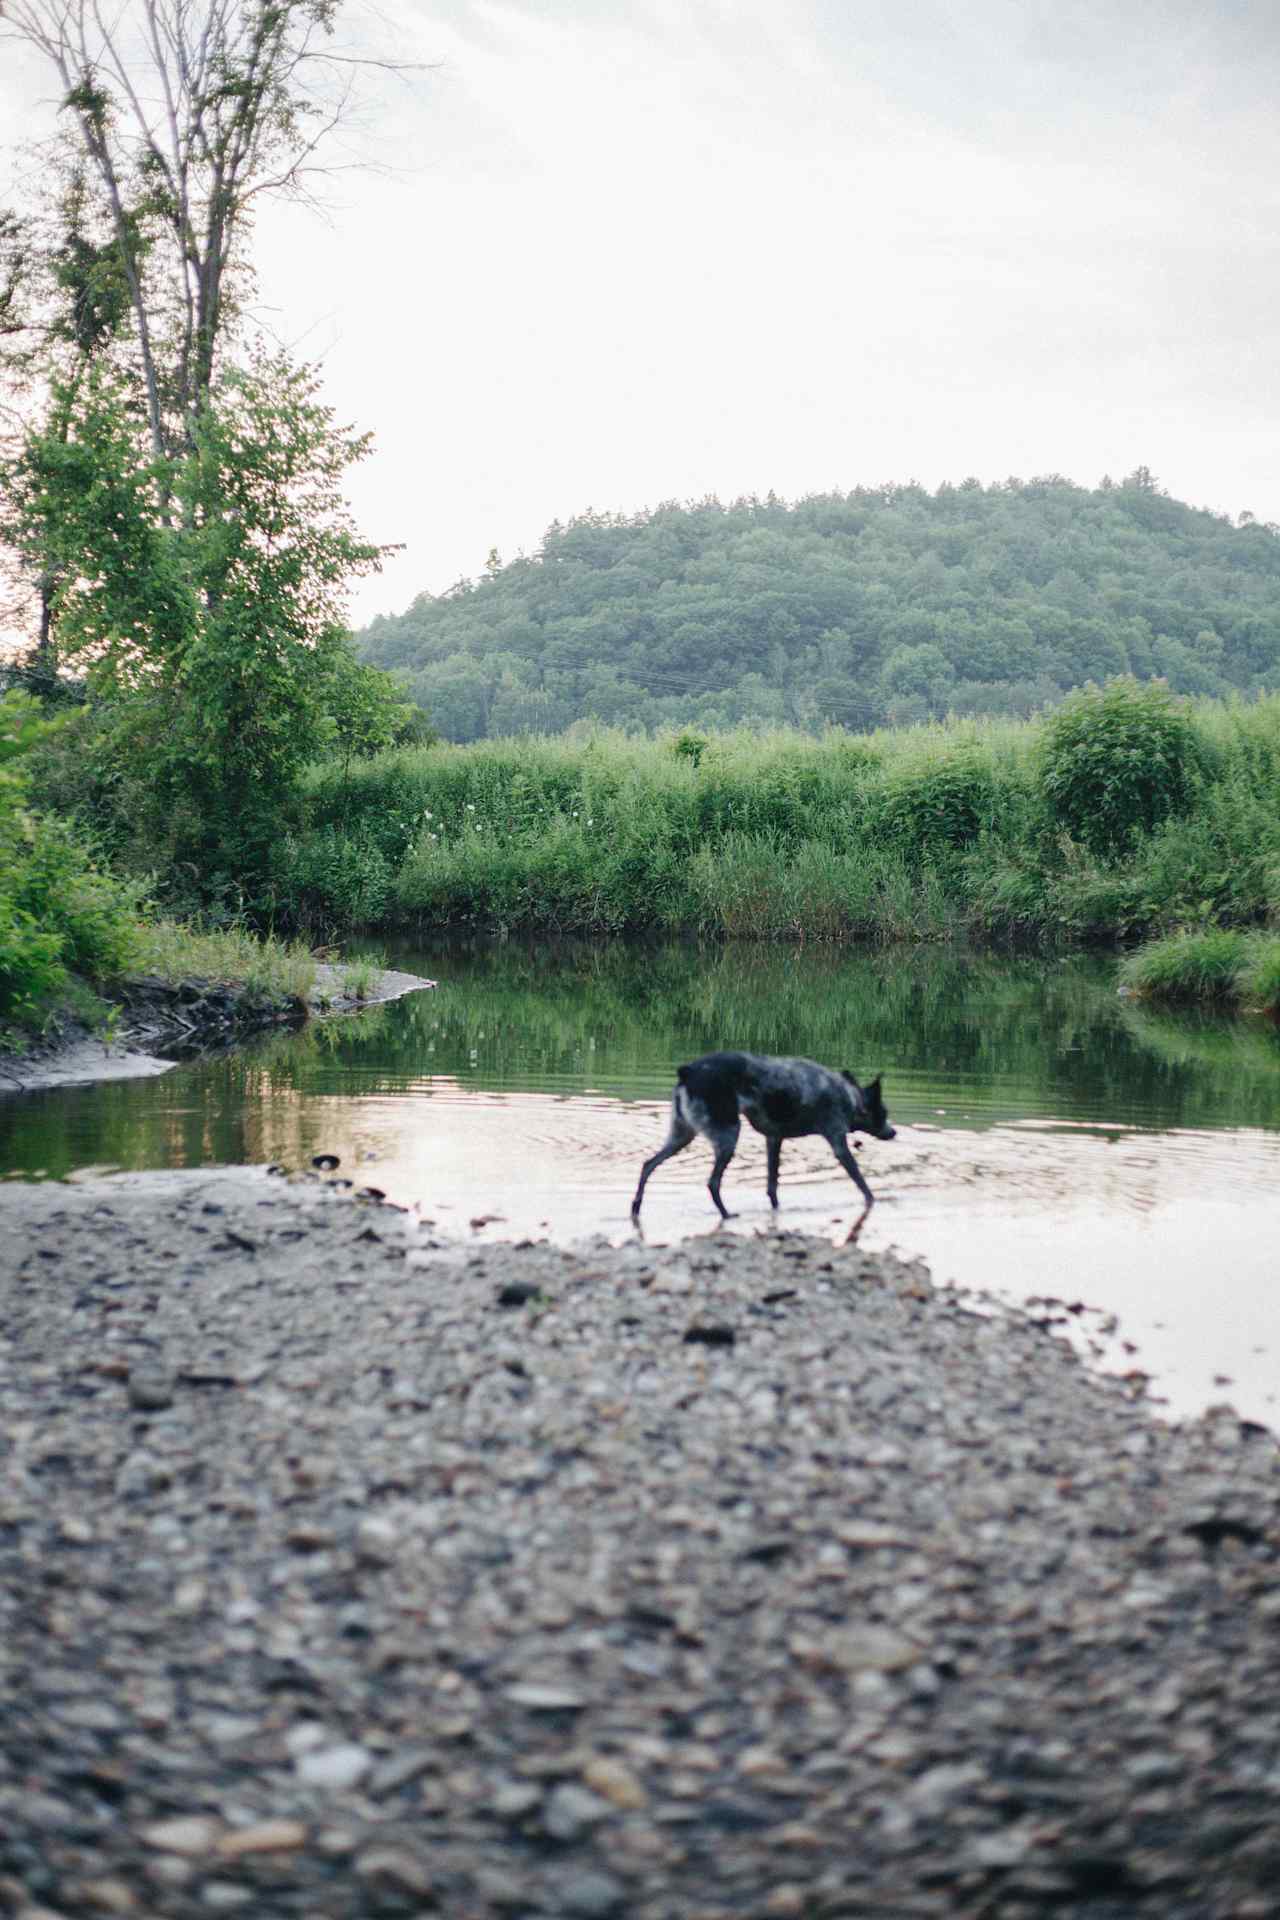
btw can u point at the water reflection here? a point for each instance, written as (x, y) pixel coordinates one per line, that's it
(965, 1040)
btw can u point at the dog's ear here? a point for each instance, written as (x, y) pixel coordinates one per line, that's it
(874, 1086)
(846, 1075)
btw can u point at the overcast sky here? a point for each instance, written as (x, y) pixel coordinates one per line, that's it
(649, 251)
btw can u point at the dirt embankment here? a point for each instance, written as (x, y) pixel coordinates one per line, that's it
(161, 1022)
(346, 1573)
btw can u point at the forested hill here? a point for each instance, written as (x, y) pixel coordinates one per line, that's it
(885, 604)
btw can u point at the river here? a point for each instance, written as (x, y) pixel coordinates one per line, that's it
(1055, 1141)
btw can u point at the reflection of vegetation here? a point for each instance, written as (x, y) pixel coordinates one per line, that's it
(997, 1037)
(1225, 1052)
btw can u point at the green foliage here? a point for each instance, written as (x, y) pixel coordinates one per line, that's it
(929, 832)
(57, 911)
(203, 598)
(1258, 981)
(937, 801)
(369, 710)
(1187, 965)
(328, 880)
(232, 956)
(689, 744)
(1216, 964)
(1118, 760)
(886, 604)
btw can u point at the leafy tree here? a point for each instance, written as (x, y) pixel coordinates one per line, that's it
(213, 641)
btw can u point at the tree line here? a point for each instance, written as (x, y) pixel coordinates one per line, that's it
(884, 605)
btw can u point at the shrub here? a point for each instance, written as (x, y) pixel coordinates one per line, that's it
(1188, 965)
(57, 911)
(1119, 759)
(1258, 981)
(328, 880)
(939, 801)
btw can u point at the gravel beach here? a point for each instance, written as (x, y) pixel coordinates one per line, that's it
(347, 1573)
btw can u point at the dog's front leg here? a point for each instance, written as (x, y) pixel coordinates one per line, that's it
(840, 1147)
(773, 1146)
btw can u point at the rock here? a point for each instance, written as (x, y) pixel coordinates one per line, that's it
(310, 1537)
(377, 1540)
(572, 1811)
(518, 1293)
(586, 1892)
(615, 1782)
(151, 1389)
(393, 1867)
(894, 1608)
(109, 1896)
(267, 1836)
(388, 1776)
(709, 1333)
(190, 1834)
(335, 1768)
(545, 1699)
(514, 1800)
(224, 1896)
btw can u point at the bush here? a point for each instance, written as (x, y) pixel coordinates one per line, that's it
(1258, 981)
(328, 881)
(1188, 966)
(57, 911)
(1118, 760)
(939, 802)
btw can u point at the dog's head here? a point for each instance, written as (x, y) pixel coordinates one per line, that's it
(873, 1115)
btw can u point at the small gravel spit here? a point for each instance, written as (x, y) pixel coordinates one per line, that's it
(344, 1573)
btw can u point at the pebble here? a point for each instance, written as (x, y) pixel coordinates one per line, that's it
(188, 1834)
(267, 1836)
(377, 1540)
(396, 1868)
(615, 1782)
(515, 1801)
(150, 1389)
(572, 1811)
(336, 1768)
(586, 1892)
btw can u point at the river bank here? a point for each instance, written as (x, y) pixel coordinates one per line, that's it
(159, 1022)
(347, 1571)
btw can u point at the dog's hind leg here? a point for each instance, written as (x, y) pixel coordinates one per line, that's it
(678, 1138)
(725, 1141)
(840, 1147)
(773, 1146)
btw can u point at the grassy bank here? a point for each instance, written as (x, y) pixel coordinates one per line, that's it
(1124, 813)
(1217, 966)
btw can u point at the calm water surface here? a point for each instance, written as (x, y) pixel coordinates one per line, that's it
(1054, 1139)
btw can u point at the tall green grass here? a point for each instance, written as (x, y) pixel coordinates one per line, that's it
(924, 833)
(1217, 965)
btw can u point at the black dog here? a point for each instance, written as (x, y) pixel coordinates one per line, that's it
(783, 1100)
